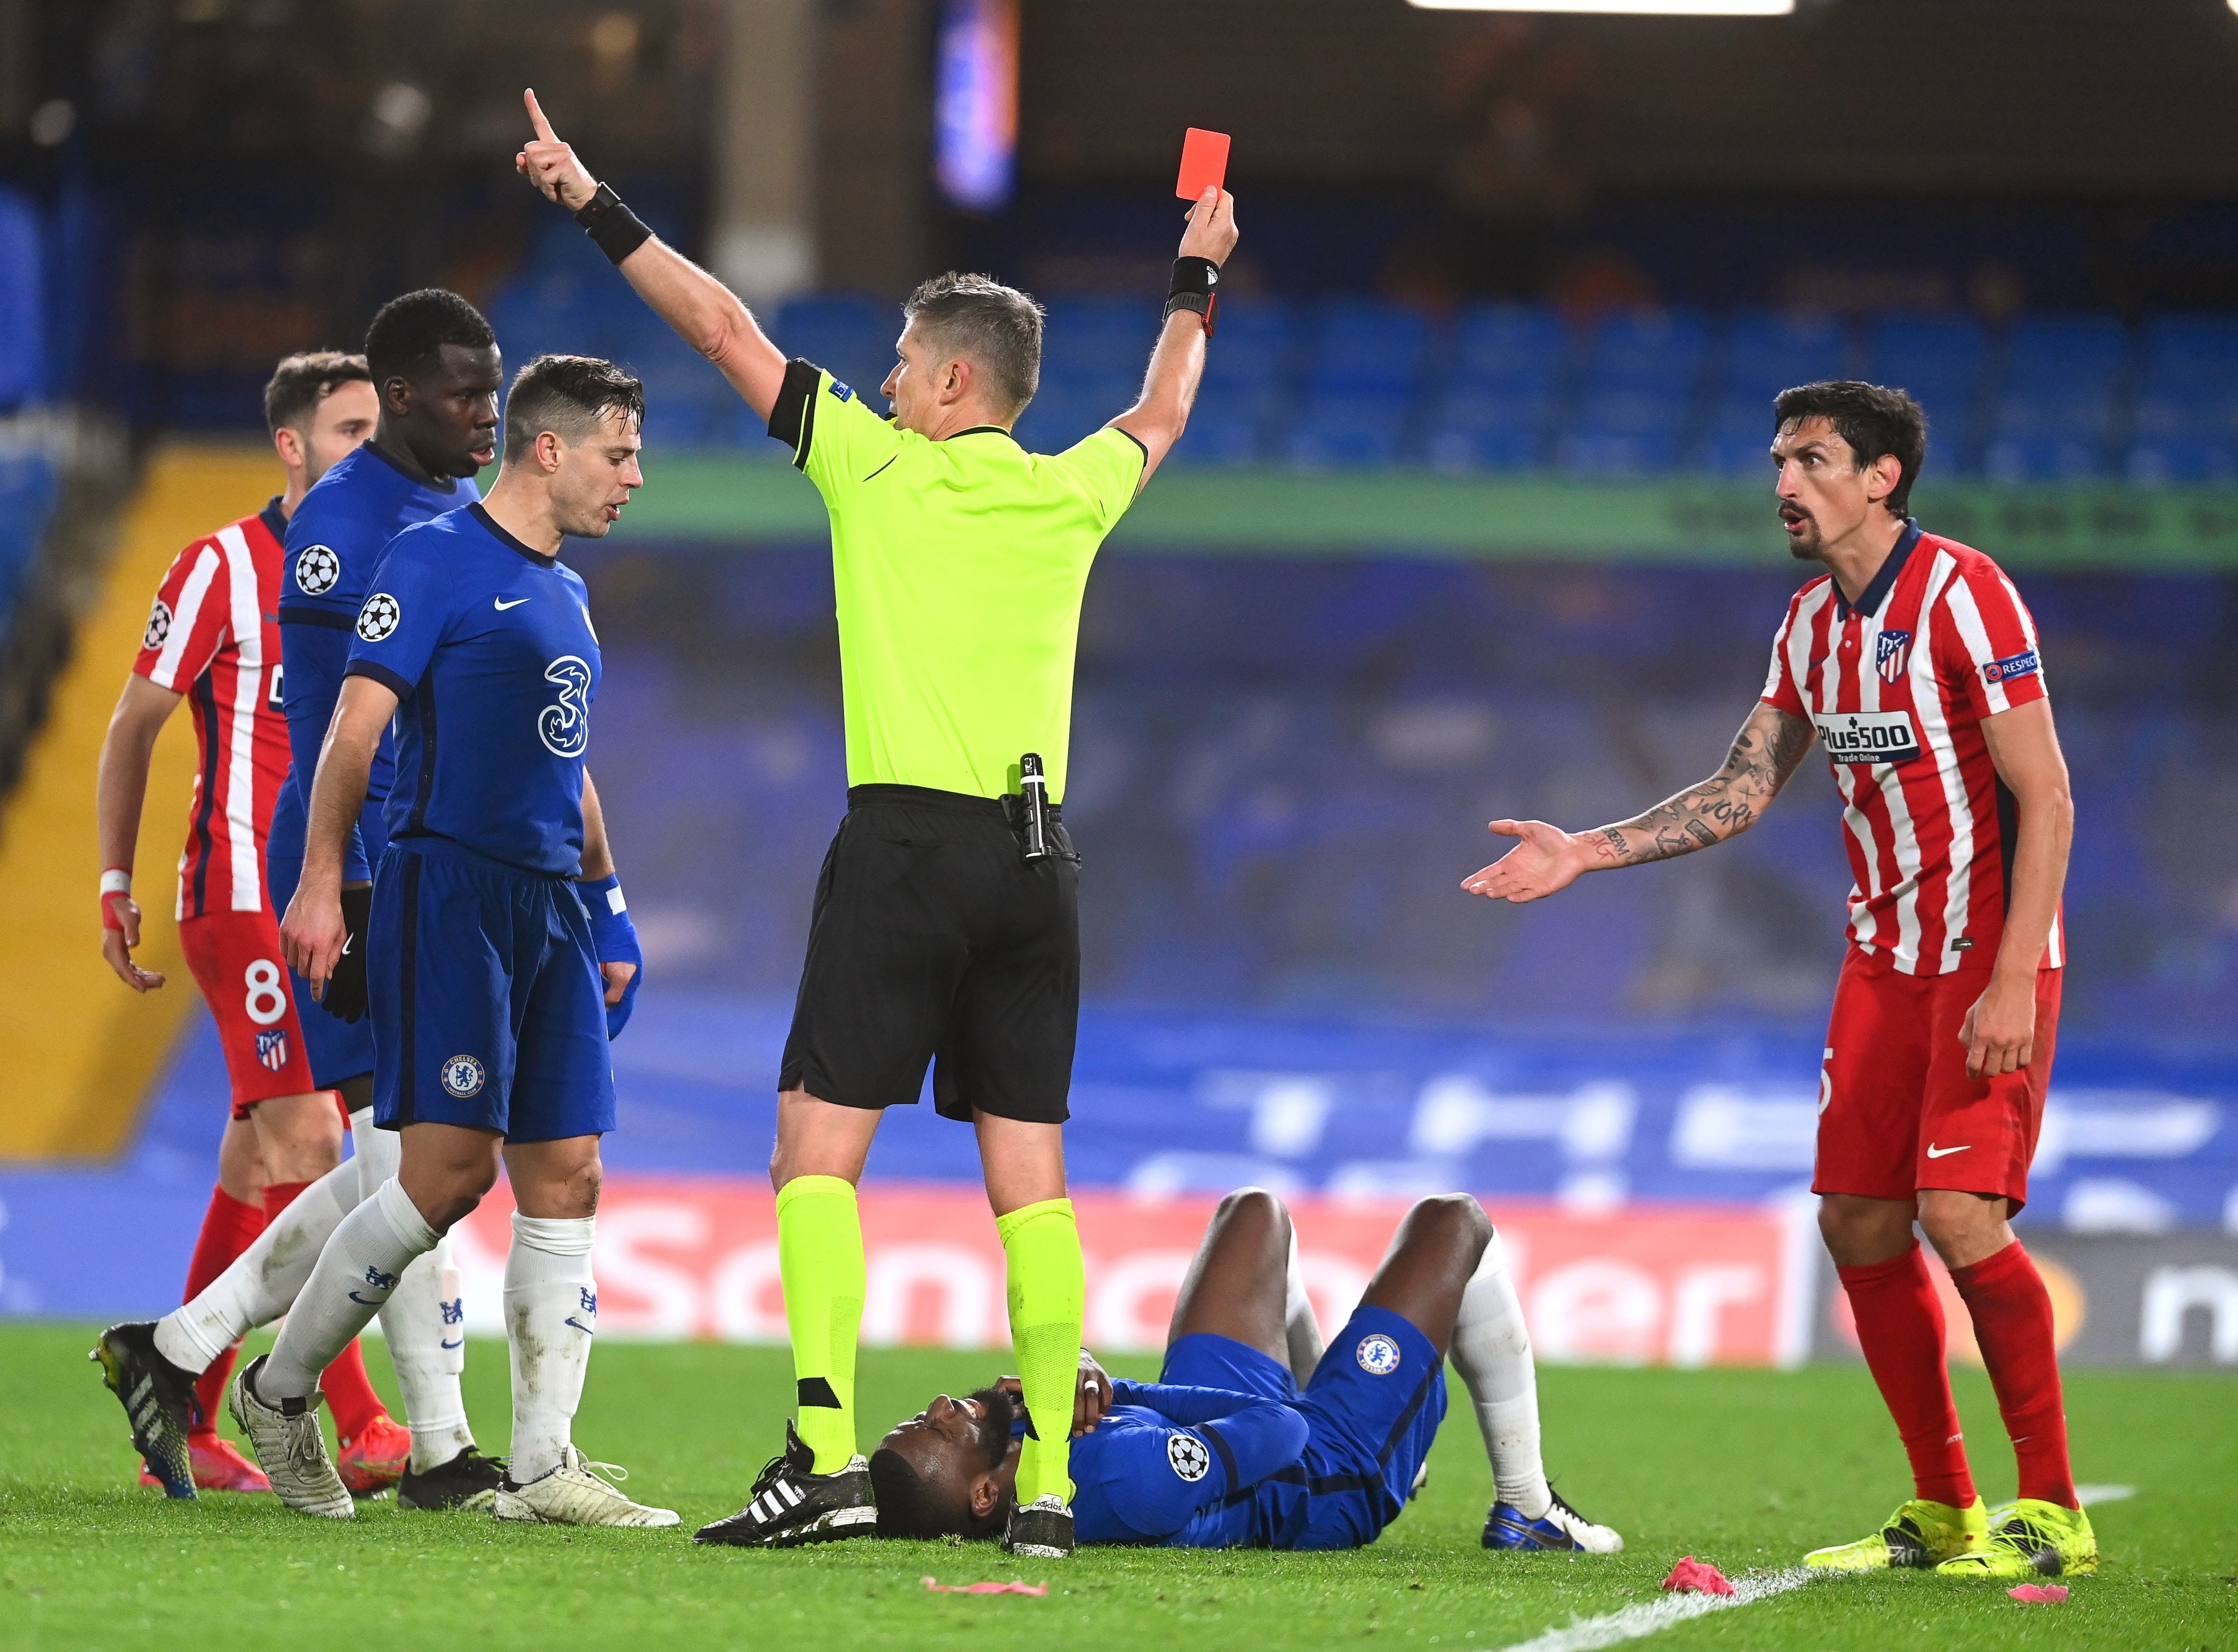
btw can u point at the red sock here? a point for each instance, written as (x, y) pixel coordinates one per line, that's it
(348, 1391)
(349, 1395)
(1900, 1325)
(2012, 1321)
(229, 1227)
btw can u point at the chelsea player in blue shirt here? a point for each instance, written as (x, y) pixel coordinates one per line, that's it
(491, 1009)
(1255, 1435)
(435, 365)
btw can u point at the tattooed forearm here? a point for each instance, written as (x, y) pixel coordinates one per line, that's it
(1764, 753)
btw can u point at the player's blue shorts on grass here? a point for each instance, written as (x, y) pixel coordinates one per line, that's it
(1373, 1406)
(488, 1009)
(338, 1049)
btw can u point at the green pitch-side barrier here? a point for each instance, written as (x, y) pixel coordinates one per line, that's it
(702, 496)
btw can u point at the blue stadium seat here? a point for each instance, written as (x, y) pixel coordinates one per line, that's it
(22, 328)
(1245, 398)
(850, 336)
(1763, 353)
(1641, 381)
(2185, 429)
(1367, 349)
(28, 492)
(1938, 358)
(1342, 430)
(1507, 360)
(2055, 409)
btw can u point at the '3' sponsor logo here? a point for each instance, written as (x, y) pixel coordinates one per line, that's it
(565, 726)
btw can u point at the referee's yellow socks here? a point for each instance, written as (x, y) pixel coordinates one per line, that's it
(1048, 1296)
(819, 1247)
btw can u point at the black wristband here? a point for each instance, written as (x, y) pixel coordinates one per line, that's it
(1195, 287)
(1199, 276)
(617, 230)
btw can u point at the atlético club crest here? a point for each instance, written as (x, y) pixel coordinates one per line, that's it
(271, 1048)
(1891, 653)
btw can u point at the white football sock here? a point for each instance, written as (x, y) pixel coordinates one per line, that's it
(1300, 1328)
(1492, 1351)
(262, 1282)
(413, 1322)
(356, 1271)
(550, 1313)
(419, 1318)
(378, 1153)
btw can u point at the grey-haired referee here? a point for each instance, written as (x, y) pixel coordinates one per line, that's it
(946, 925)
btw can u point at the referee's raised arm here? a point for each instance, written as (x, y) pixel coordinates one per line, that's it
(707, 314)
(1177, 365)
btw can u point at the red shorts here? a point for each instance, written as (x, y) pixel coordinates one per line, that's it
(1896, 1111)
(235, 958)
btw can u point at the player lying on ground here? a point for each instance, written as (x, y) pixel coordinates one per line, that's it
(960, 560)
(1253, 1434)
(436, 372)
(213, 635)
(482, 972)
(1915, 662)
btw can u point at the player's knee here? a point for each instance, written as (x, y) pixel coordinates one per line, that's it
(1961, 1226)
(1455, 1218)
(1862, 1232)
(1256, 1208)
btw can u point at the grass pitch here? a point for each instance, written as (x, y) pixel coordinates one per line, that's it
(1746, 1469)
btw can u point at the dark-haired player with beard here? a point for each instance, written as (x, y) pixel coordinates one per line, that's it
(436, 371)
(1913, 660)
(1255, 1435)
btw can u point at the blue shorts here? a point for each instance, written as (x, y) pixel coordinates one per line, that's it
(487, 1005)
(338, 1049)
(1372, 1406)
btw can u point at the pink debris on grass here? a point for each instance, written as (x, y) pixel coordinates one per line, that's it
(2039, 1594)
(1692, 1575)
(986, 1589)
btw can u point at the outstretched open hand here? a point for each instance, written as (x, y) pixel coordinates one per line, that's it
(550, 165)
(1545, 860)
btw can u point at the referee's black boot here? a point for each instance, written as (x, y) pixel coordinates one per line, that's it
(793, 1504)
(1041, 1528)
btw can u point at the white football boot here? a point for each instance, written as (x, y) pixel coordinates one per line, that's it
(574, 1494)
(1594, 1539)
(290, 1448)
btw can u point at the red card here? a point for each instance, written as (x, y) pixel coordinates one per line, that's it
(1204, 163)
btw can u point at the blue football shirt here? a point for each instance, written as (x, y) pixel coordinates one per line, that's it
(488, 646)
(335, 541)
(1180, 1466)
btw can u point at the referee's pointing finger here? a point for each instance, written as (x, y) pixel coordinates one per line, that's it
(536, 116)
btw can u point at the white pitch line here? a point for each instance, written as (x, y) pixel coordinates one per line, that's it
(1654, 1616)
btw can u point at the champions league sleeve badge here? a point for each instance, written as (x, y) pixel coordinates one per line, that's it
(1187, 1453)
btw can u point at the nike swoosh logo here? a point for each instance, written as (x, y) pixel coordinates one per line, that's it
(579, 1326)
(502, 605)
(362, 1303)
(348, 941)
(461, 1342)
(1934, 1152)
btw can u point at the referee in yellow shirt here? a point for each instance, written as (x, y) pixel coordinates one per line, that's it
(946, 926)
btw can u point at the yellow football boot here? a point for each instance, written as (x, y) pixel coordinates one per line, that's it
(1919, 1534)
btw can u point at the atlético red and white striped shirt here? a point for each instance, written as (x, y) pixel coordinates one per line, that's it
(214, 636)
(1897, 686)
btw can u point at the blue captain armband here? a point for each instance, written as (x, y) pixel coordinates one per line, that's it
(613, 937)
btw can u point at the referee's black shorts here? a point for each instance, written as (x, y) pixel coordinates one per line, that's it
(934, 940)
